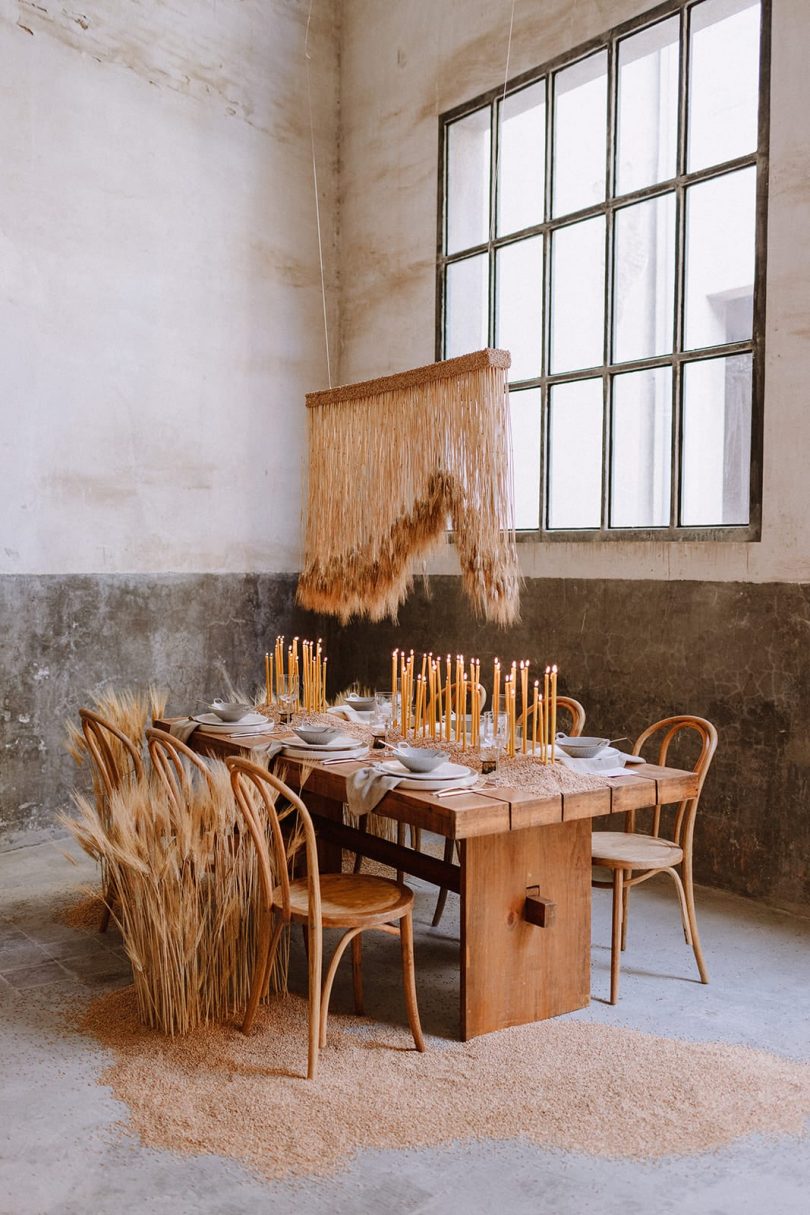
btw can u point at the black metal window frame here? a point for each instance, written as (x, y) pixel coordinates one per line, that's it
(679, 357)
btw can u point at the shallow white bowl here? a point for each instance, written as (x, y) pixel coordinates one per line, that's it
(420, 759)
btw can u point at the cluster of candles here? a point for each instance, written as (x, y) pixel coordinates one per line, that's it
(432, 702)
(304, 678)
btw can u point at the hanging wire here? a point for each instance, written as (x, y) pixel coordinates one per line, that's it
(503, 96)
(308, 58)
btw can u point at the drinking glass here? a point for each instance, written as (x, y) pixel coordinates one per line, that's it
(491, 742)
(286, 696)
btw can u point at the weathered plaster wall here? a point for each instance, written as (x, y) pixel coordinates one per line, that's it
(160, 300)
(402, 65)
(160, 322)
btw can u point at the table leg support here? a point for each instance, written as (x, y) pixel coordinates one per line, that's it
(513, 971)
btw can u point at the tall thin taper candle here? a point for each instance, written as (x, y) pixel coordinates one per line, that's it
(268, 678)
(546, 722)
(534, 717)
(496, 694)
(524, 696)
(553, 711)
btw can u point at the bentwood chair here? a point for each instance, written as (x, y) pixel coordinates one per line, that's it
(116, 761)
(172, 760)
(355, 902)
(577, 715)
(635, 857)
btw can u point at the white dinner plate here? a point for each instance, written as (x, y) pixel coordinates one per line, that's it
(343, 742)
(444, 772)
(296, 752)
(254, 723)
(435, 786)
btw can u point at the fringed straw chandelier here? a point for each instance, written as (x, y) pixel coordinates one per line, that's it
(393, 463)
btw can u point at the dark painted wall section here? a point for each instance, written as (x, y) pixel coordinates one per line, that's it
(64, 638)
(634, 652)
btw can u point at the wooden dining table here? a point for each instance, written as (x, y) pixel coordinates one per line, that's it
(524, 873)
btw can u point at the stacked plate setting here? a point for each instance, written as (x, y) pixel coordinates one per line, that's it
(447, 776)
(251, 723)
(342, 747)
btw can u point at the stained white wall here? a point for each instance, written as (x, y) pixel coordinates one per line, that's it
(405, 63)
(160, 303)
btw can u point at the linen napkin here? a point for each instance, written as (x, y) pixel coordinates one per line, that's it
(367, 787)
(183, 728)
(607, 765)
(347, 713)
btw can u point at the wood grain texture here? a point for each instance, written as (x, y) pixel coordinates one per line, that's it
(513, 972)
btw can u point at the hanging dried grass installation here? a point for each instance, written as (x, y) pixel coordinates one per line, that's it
(390, 461)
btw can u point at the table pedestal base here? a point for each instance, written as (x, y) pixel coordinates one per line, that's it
(512, 971)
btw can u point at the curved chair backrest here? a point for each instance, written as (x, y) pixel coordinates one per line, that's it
(257, 791)
(577, 713)
(572, 707)
(171, 760)
(115, 757)
(669, 728)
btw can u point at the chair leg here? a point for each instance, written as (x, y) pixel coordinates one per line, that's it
(690, 907)
(315, 959)
(449, 845)
(687, 931)
(625, 901)
(357, 973)
(264, 951)
(616, 940)
(409, 980)
(401, 842)
(330, 978)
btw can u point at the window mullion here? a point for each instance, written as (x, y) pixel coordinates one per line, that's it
(680, 273)
(545, 365)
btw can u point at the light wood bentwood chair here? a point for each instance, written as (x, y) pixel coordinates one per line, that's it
(116, 761)
(577, 715)
(630, 853)
(355, 902)
(172, 761)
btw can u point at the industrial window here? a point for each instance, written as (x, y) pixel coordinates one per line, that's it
(603, 218)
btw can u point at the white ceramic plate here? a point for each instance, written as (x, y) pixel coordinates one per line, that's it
(255, 723)
(296, 752)
(444, 772)
(428, 786)
(343, 742)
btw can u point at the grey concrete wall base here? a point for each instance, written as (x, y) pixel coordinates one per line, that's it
(64, 638)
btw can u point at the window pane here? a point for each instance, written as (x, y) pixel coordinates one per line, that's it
(526, 416)
(716, 443)
(642, 448)
(644, 297)
(647, 121)
(720, 233)
(580, 134)
(520, 305)
(468, 181)
(575, 455)
(723, 80)
(522, 159)
(578, 295)
(466, 306)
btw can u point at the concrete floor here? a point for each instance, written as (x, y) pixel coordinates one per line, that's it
(61, 1152)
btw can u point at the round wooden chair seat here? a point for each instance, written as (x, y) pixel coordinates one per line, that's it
(351, 899)
(624, 850)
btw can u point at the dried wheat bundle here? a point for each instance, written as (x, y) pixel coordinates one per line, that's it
(391, 461)
(186, 889)
(128, 710)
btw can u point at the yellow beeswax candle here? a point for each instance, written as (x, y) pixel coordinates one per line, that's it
(496, 694)
(553, 712)
(534, 716)
(524, 696)
(546, 698)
